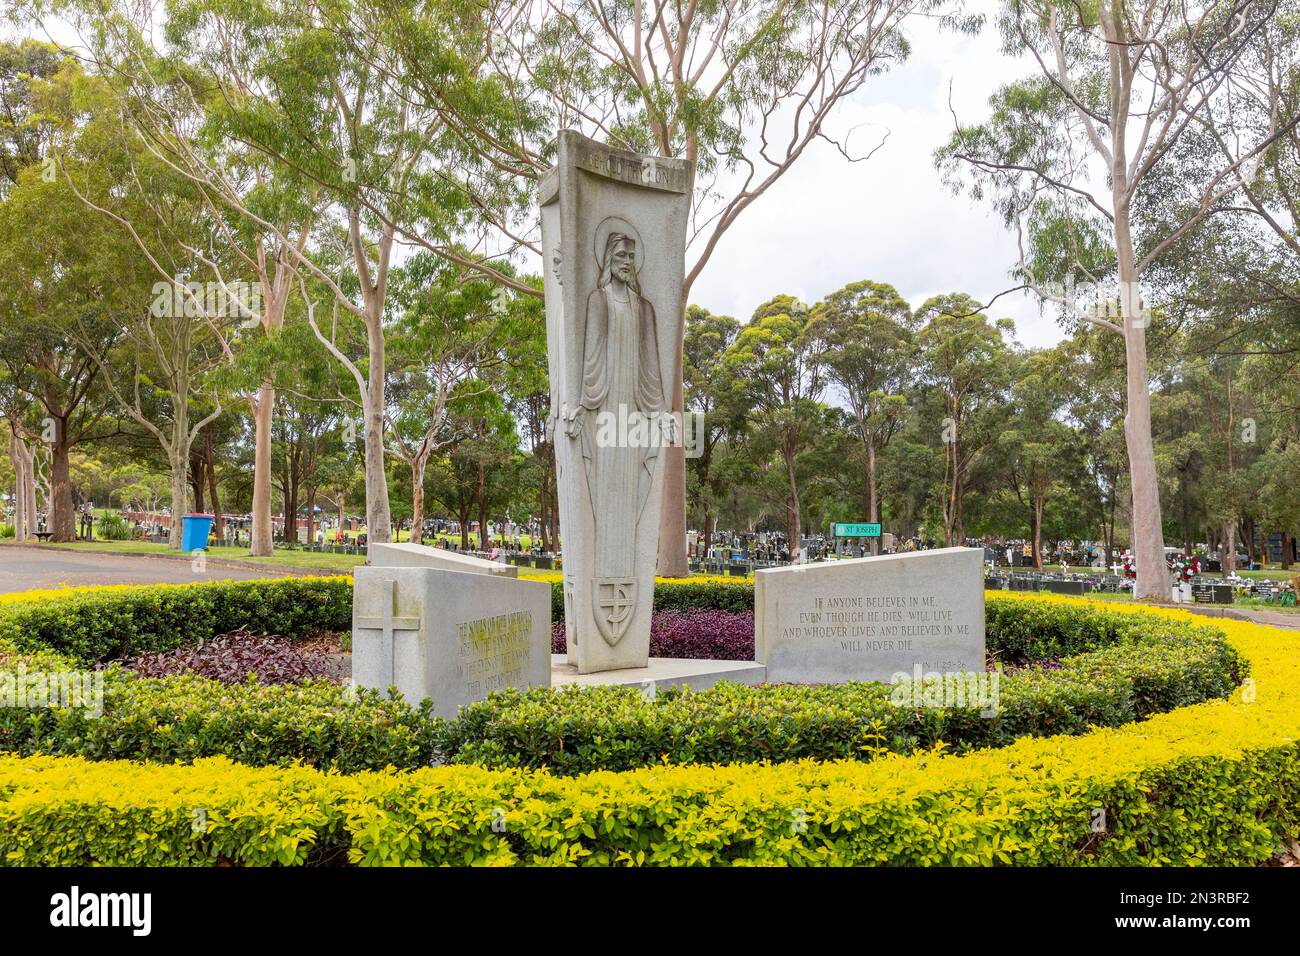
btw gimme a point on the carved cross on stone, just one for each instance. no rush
(389, 624)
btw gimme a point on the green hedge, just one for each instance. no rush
(1140, 667)
(1186, 805)
(1215, 783)
(318, 723)
(100, 624)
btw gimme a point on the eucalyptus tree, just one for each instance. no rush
(705, 347)
(776, 373)
(64, 281)
(1071, 154)
(965, 361)
(867, 332)
(1040, 450)
(314, 161)
(449, 340)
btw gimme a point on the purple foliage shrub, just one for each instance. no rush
(231, 658)
(697, 633)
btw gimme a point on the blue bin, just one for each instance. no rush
(194, 532)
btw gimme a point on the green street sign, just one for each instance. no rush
(860, 529)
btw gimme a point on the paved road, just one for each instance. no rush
(1258, 615)
(22, 569)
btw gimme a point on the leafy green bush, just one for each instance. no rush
(318, 723)
(100, 624)
(113, 528)
(6, 531)
(1118, 668)
(1217, 783)
(1142, 667)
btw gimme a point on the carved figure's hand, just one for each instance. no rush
(573, 427)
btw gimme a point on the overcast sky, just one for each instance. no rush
(829, 222)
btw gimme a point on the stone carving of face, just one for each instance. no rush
(624, 264)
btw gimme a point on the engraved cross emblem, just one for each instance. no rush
(388, 624)
(615, 601)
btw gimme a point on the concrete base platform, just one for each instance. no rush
(663, 671)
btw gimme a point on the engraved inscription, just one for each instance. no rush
(494, 651)
(651, 171)
(874, 623)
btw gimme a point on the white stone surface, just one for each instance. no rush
(662, 672)
(448, 635)
(870, 618)
(613, 240)
(407, 555)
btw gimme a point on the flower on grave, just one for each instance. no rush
(1184, 568)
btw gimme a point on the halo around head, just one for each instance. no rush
(617, 224)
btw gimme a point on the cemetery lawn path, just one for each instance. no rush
(25, 568)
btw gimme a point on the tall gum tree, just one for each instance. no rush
(1067, 153)
(868, 333)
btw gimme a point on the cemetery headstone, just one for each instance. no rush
(408, 555)
(453, 636)
(871, 618)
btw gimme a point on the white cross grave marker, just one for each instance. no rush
(389, 624)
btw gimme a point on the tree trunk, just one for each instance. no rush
(1229, 550)
(18, 455)
(1149, 543)
(198, 480)
(1038, 532)
(483, 543)
(218, 519)
(33, 515)
(180, 494)
(417, 499)
(1287, 548)
(291, 505)
(464, 524)
(793, 508)
(873, 491)
(311, 513)
(950, 512)
(62, 521)
(261, 540)
(379, 527)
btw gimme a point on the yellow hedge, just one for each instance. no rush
(1215, 783)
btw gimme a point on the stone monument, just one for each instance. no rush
(450, 635)
(613, 238)
(407, 555)
(871, 618)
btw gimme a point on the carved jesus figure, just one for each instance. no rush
(620, 373)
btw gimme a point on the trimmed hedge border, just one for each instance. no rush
(1216, 783)
(102, 623)
(1118, 668)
